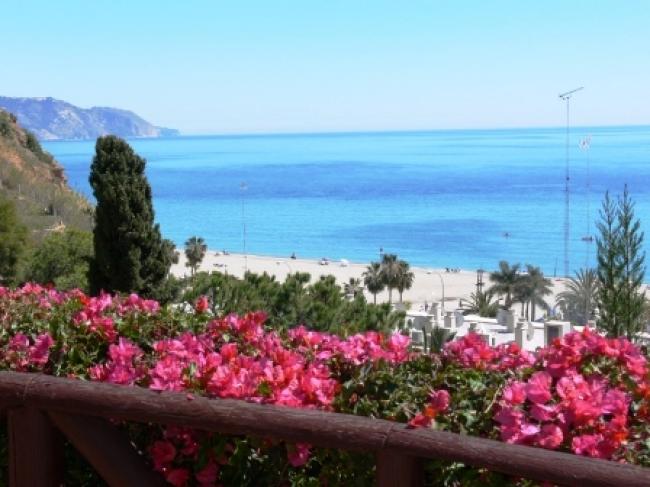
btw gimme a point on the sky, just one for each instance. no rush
(318, 66)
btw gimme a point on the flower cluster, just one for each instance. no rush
(438, 403)
(23, 354)
(473, 352)
(575, 400)
(584, 393)
(356, 349)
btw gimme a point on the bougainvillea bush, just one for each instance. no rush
(584, 394)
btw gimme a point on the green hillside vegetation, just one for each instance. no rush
(35, 183)
(44, 225)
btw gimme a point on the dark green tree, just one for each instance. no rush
(621, 268)
(13, 242)
(319, 306)
(610, 269)
(130, 254)
(633, 263)
(62, 259)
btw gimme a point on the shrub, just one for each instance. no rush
(585, 394)
(62, 259)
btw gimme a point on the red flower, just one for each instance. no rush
(162, 453)
(178, 477)
(201, 305)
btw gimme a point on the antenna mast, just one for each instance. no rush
(585, 145)
(567, 221)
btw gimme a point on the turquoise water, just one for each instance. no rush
(443, 198)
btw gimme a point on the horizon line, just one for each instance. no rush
(361, 132)
(399, 131)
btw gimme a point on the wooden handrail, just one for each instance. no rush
(318, 428)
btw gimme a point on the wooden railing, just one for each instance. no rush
(40, 407)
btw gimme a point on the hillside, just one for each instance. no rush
(51, 119)
(36, 183)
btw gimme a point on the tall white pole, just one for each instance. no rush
(567, 213)
(243, 188)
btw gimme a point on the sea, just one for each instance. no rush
(450, 198)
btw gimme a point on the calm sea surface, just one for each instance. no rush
(447, 198)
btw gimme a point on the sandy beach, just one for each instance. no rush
(427, 286)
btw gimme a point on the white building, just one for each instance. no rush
(506, 328)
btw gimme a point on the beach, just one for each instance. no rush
(427, 286)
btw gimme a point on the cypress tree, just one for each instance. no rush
(130, 254)
(609, 268)
(632, 262)
(621, 268)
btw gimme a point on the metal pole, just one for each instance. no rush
(243, 186)
(567, 213)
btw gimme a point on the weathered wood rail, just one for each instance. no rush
(40, 408)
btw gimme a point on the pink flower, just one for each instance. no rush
(298, 454)
(550, 437)
(439, 400)
(538, 388)
(515, 393)
(615, 402)
(40, 351)
(543, 412)
(586, 445)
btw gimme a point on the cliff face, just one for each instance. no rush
(51, 119)
(36, 183)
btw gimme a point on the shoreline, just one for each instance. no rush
(427, 285)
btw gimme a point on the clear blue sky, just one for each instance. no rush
(273, 65)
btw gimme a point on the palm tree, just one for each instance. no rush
(535, 288)
(438, 338)
(578, 301)
(481, 303)
(506, 281)
(353, 287)
(373, 279)
(195, 249)
(405, 278)
(390, 272)
(522, 294)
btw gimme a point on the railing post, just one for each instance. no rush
(108, 450)
(35, 450)
(396, 470)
